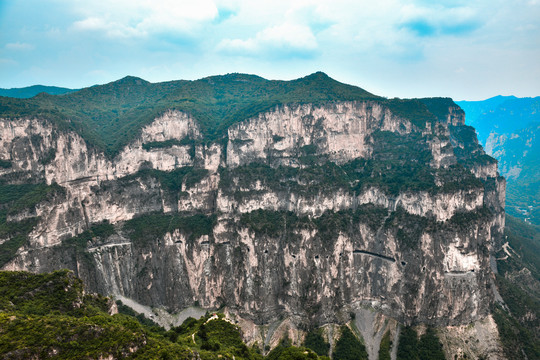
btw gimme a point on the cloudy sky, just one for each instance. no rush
(463, 49)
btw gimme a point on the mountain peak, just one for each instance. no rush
(316, 76)
(319, 75)
(131, 80)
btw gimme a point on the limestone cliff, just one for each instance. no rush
(307, 211)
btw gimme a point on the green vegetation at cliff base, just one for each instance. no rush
(428, 347)
(49, 316)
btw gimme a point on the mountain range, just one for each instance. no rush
(509, 129)
(308, 212)
(31, 91)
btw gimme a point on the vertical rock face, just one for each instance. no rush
(305, 211)
(339, 132)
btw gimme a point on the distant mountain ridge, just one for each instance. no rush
(502, 114)
(509, 129)
(31, 91)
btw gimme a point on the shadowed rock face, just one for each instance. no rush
(308, 211)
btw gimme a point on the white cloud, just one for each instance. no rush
(416, 47)
(19, 46)
(285, 37)
(111, 28)
(138, 18)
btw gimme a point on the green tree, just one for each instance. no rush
(429, 347)
(408, 344)
(348, 347)
(384, 349)
(315, 341)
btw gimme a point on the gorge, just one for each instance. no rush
(310, 208)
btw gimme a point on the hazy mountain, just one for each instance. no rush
(509, 129)
(31, 91)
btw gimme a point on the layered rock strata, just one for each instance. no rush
(309, 212)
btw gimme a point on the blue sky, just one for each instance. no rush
(463, 49)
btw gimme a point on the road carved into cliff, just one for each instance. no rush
(384, 257)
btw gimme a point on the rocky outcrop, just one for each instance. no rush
(338, 131)
(196, 223)
(64, 157)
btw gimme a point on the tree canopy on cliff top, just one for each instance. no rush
(110, 116)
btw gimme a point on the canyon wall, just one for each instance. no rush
(303, 212)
